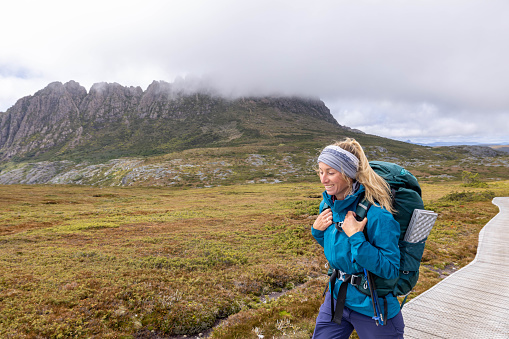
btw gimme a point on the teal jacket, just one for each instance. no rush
(351, 254)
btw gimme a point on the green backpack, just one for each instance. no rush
(406, 194)
(406, 197)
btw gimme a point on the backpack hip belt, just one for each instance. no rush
(345, 279)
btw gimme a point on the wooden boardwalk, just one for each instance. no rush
(474, 301)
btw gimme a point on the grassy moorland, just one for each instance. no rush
(139, 262)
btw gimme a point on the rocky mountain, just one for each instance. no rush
(65, 121)
(171, 135)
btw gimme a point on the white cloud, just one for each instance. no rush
(420, 122)
(449, 55)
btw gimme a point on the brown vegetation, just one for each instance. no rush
(149, 262)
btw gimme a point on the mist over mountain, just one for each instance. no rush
(110, 120)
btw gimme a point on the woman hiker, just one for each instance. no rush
(345, 172)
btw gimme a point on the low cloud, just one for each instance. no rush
(443, 60)
(420, 122)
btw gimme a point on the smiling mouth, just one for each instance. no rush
(327, 187)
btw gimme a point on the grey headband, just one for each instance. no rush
(340, 160)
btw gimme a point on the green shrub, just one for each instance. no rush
(468, 196)
(472, 180)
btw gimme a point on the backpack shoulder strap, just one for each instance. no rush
(362, 211)
(362, 208)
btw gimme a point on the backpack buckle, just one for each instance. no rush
(341, 275)
(355, 280)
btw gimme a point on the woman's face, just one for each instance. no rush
(333, 180)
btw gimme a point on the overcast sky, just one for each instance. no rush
(418, 70)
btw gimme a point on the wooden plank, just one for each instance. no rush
(469, 301)
(474, 301)
(443, 328)
(447, 322)
(500, 295)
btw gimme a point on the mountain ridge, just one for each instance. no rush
(180, 135)
(64, 117)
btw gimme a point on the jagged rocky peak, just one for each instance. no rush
(157, 91)
(104, 89)
(58, 89)
(53, 94)
(177, 100)
(179, 88)
(54, 88)
(54, 102)
(76, 90)
(110, 101)
(63, 117)
(41, 121)
(157, 88)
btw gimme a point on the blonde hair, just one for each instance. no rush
(378, 191)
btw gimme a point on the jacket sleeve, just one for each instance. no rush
(381, 254)
(317, 234)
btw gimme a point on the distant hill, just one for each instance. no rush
(503, 148)
(446, 143)
(458, 143)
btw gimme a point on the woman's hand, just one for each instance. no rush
(351, 225)
(324, 220)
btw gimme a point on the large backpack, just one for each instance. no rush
(406, 194)
(406, 197)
